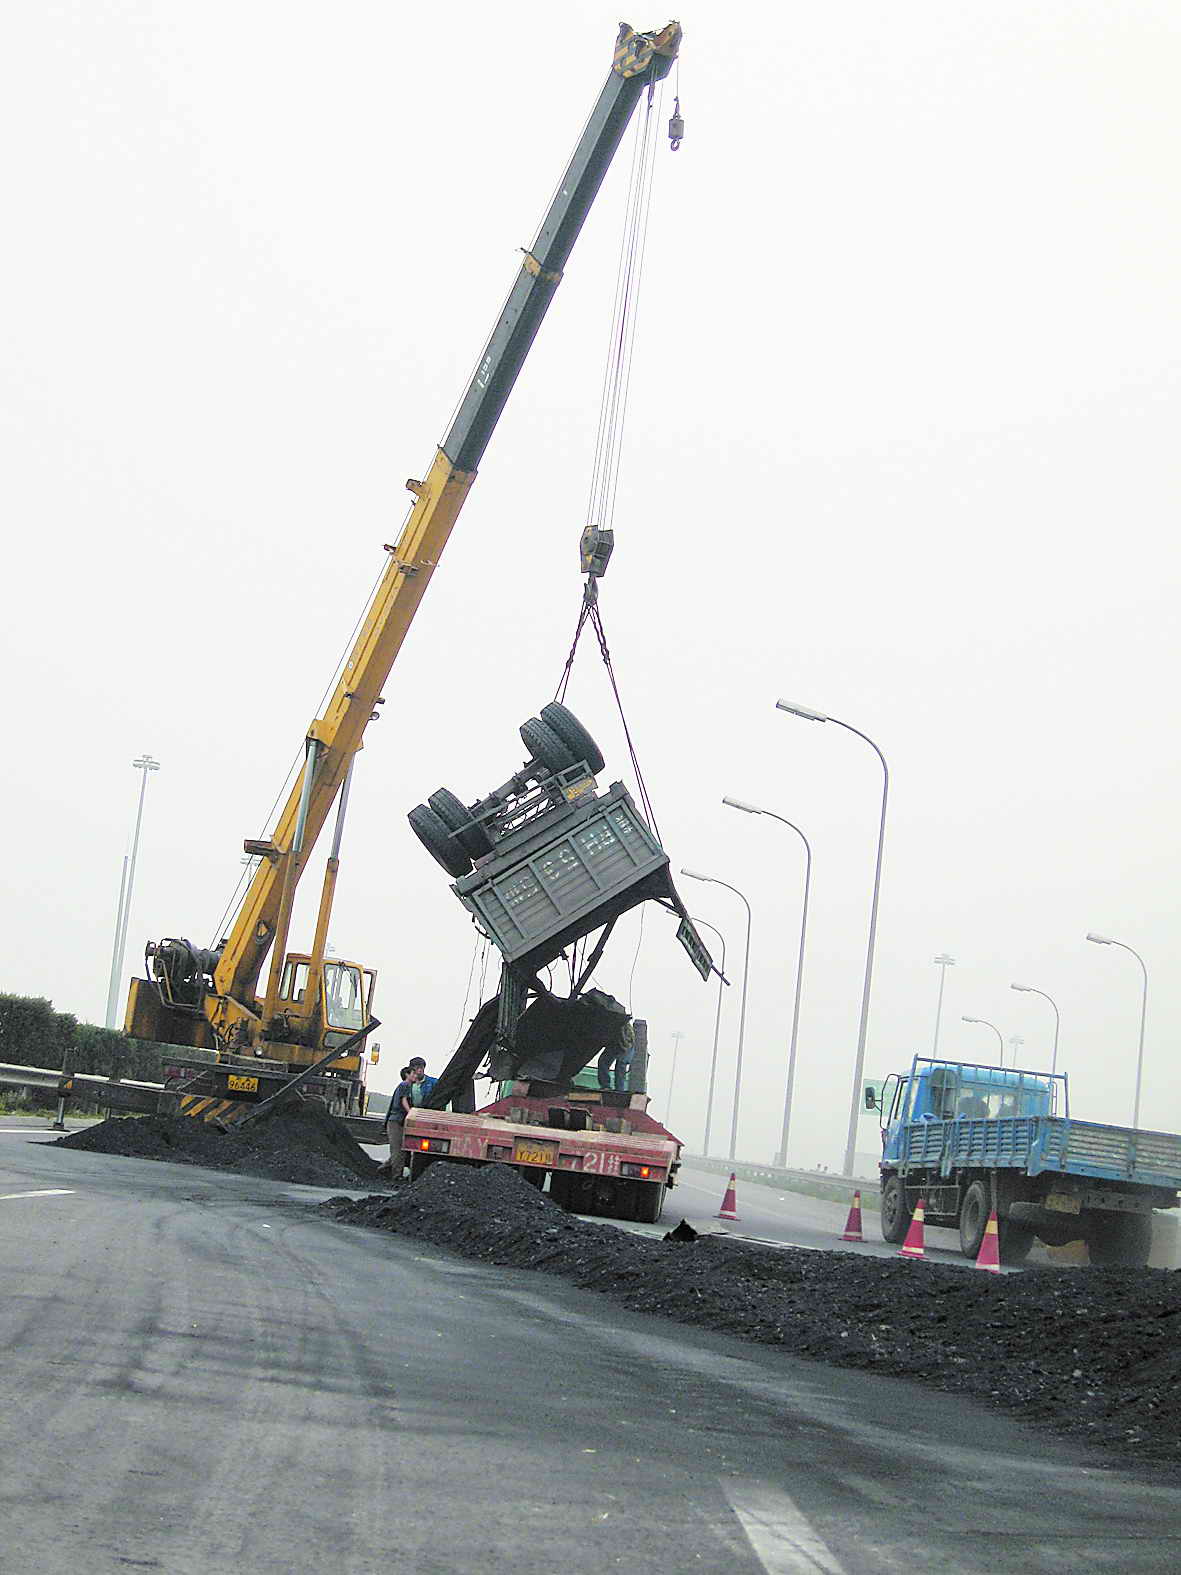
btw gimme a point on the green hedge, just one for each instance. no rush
(33, 1034)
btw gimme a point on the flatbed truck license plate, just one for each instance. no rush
(242, 1085)
(1063, 1203)
(535, 1153)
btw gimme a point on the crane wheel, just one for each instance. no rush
(572, 733)
(545, 747)
(435, 835)
(472, 838)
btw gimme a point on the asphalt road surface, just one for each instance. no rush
(202, 1376)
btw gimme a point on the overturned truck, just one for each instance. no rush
(543, 864)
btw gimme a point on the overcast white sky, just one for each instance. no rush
(902, 446)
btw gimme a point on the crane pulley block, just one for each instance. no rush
(595, 548)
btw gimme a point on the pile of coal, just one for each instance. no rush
(1089, 1352)
(298, 1143)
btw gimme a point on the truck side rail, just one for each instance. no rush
(1035, 1144)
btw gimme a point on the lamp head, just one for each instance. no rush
(805, 711)
(1100, 940)
(696, 875)
(738, 803)
(1026, 987)
(944, 960)
(971, 1019)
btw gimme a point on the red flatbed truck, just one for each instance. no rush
(620, 1163)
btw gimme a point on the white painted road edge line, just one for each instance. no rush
(45, 1192)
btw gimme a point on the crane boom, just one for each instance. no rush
(333, 739)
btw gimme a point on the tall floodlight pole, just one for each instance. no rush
(855, 1103)
(712, 880)
(676, 1037)
(1106, 940)
(943, 962)
(713, 1060)
(1028, 989)
(1015, 1043)
(984, 1023)
(789, 1091)
(144, 764)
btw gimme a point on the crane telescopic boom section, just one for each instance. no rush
(333, 739)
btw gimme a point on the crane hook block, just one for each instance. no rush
(676, 126)
(595, 547)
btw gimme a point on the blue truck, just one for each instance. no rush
(967, 1139)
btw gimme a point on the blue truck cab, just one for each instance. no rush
(969, 1138)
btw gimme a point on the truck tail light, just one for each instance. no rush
(638, 1172)
(433, 1145)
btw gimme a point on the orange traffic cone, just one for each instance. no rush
(912, 1247)
(853, 1223)
(989, 1257)
(729, 1208)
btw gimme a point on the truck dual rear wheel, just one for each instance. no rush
(454, 814)
(895, 1214)
(435, 835)
(572, 733)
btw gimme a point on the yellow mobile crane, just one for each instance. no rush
(314, 1014)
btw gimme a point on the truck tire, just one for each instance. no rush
(545, 747)
(572, 733)
(472, 838)
(649, 1201)
(1119, 1241)
(894, 1211)
(1016, 1240)
(436, 838)
(974, 1211)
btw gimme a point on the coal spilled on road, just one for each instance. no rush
(300, 1143)
(1092, 1353)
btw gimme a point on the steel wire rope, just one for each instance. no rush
(238, 895)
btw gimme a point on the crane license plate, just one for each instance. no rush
(242, 1085)
(535, 1153)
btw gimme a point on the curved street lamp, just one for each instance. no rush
(858, 1071)
(712, 880)
(752, 809)
(1028, 989)
(983, 1021)
(713, 1060)
(1106, 940)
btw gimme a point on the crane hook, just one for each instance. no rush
(676, 126)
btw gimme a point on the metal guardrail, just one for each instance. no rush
(839, 1187)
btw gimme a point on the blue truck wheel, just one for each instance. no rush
(895, 1213)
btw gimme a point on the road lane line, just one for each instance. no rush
(782, 1538)
(45, 1192)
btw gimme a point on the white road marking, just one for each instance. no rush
(782, 1539)
(45, 1192)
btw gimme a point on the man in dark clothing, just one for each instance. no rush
(424, 1085)
(401, 1104)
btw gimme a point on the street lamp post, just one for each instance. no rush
(855, 1104)
(713, 1060)
(943, 962)
(1028, 989)
(1106, 940)
(676, 1036)
(712, 880)
(752, 809)
(144, 764)
(1015, 1043)
(983, 1021)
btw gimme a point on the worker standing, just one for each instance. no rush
(401, 1104)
